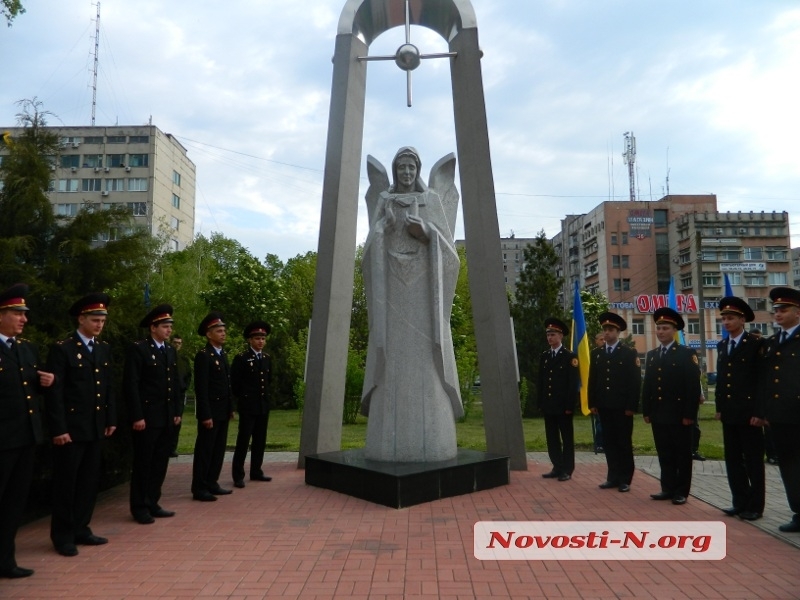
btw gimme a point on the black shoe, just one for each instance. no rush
(261, 477)
(564, 477)
(698, 456)
(161, 513)
(607, 485)
(750, 516)
(220, 491)
(67, 550)
(678, 500)
(624, 487)
(551, 475)
(239, 483)
(91, 540)
(144, 519)
(792, 526)
(16, 573)
(661, 496)
(204, 497)
(732, 511)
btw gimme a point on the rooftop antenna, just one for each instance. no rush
(667, 170)
(96, 61)
(630, 159)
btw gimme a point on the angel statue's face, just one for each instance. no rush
(406, 174)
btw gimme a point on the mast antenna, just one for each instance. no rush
(96, 61)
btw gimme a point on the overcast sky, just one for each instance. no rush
(709, 88)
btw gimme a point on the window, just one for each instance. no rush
(69, 161)
(685, 256)
(624, 238)
(660, 218)
(718, 329)
(762, 327)
(613, 239)
(115, 160)
(138, 209)
(637, 327)
(93, 161)
(735, 278)
(69, 141)
(174, 223)
(711, 279)
(686, 281)
(693, 326)
(91, 185)
(139, 139)
(753, 254)
(591, 268)
(93, 139)
(623, 285)
(615, 261)
(757, 303)
(176, 178)
(754, 280)
(67, 210)
(174, 245)
(625, 261)
(708, 256)
(137, 184)
(116, 139)
(777, 254)
(68, 185)
(777, 278)
(115, 185)
(728, 254)
(138, 160)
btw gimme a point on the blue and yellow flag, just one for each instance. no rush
(580, 346)
(672, 303)
(728, 292)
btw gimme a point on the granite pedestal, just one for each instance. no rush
(399, 485)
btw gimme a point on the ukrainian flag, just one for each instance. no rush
(673, 304)
(580, 346)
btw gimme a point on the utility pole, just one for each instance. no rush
(96, 60)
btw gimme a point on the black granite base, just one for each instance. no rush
(399, 485)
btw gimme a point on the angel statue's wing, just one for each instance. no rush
(442, 181)
(378, 182)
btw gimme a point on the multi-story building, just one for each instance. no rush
(796, 267)
(631, 251)
(140, 167)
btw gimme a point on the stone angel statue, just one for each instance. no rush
(411, 392)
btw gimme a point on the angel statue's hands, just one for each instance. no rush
(417, 227)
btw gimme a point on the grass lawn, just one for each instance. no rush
(284, 433)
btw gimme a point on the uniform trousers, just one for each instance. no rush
(674, 448)
(76, 471)
(617, 444)
(787, 443)
(744, 463)
(209, 454)
(254, 426)
(151, 449)
(559, 432)
(16, 471)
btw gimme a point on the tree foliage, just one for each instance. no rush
(536, 299)
(9, 9)
(594, 304)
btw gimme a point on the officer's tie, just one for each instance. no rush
(732, 346)
(784, 336)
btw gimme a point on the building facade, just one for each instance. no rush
(630, 251)
(140, 167)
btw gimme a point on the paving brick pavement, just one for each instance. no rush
(284, 539)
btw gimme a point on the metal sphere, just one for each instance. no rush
(407, 57)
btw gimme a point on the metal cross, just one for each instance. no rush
(407, 56)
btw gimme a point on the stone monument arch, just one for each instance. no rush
(361, 22)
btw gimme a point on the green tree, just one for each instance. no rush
(463, 331)
(536, 299)
(594, 304)
(9, 9)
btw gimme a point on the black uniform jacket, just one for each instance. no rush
(780, 379)
(212, 385)
(250, 378)
(615, 379)
(151, 384)
(20, 414)
(559, 382)
(80, 401)
(671, 389)
(737, 395)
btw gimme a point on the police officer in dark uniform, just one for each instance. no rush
(184, 379)
(212, 386)
(250, 379)
(670, 396)
(20, 421)
(81, 413)
(559, 395)
(780, 387)
(738, 362)
(152, 392)
(614, 386)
